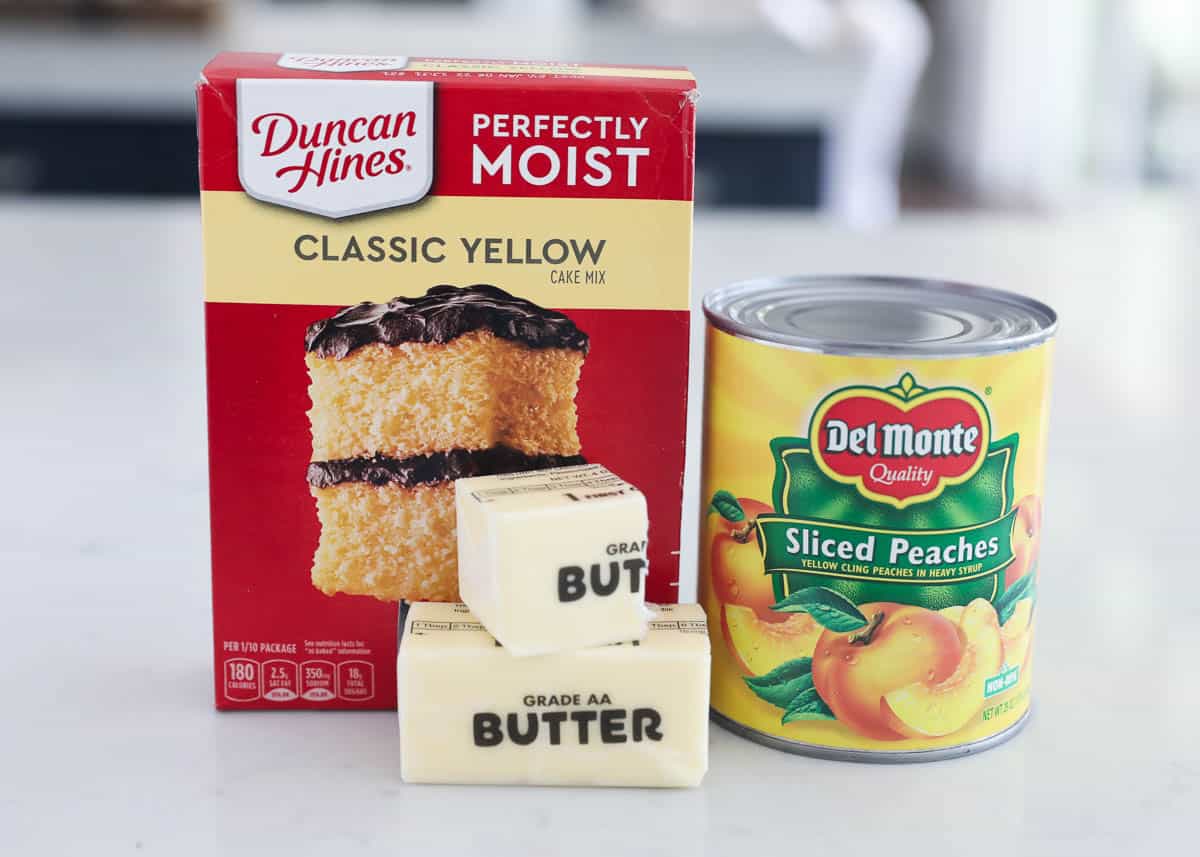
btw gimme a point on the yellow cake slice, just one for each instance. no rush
(475, 392)
(410, 395)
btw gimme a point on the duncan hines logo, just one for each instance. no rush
(341, 63)
(900, 444)
(335, 148)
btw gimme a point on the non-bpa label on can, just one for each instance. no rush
(869, 555)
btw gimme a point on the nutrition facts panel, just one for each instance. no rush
(286, 680)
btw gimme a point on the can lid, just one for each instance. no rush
(880, 316)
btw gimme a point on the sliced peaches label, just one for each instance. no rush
(901, 485)
(879, 591)
(811, 546)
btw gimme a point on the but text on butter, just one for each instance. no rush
(553, 560)
(629, 714)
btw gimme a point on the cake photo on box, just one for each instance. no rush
(408, 396)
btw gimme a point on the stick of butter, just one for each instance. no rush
(627, 714)
(552, 560)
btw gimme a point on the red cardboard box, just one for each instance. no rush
(548, 207)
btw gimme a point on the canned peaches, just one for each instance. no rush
(871, 481)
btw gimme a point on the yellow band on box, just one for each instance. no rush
(562, 253)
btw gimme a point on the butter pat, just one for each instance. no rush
(552, 560)
(629, 714)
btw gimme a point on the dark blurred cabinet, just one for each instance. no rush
(98, 155)
(156, 155)
(759, 168)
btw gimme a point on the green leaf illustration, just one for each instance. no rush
(782, 684)
(807, 705)
(1023, 587)
(727, 506)
(907, 382)
(832, 609)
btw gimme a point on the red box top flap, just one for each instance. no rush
(231, 66)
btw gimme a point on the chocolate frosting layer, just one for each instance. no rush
(433, 468)
(442, 314)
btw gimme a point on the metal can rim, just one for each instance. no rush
(983, 296)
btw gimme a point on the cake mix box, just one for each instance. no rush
(418, 270)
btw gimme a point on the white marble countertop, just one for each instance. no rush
(108, 740)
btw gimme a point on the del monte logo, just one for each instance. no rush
(902, 444)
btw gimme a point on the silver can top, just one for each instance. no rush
(879, 316)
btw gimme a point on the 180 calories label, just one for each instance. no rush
(870, 545)
(314, 671)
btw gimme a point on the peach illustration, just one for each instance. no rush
(954, 614)
(1017, 633)
(903, 645)
(939, 705)
(1026, 538)
(735, 564)
(759, 646)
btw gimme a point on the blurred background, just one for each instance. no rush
(856, 108)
